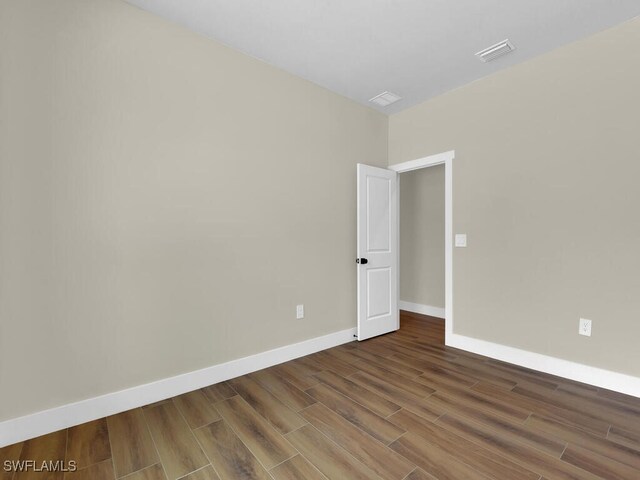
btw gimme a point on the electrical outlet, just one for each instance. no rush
(584, 327)
(299, 311)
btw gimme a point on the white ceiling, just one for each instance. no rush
(415, 48)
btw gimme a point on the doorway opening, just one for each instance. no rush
(426, 238)
(422, 248)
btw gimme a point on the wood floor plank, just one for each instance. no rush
(446, 367)
(479, 401)
(333, 363)
(403, 398)
(155, 404)
(288, 394)
(47, 448)
(597, 464)
(479, 372)
(344, 353)
(434, 460)
(415, 388)
(590, 391)
(410, 358)
(373, 453)
(384, 348)
(522, 378)
(422, 348)
(568, 416)
(592, 416)
(374, 348)
(419, 474)
(619, 414)
(619, 397)
(196, 409)
(296, 375)
(624, 437)
(207, 473)
(491, 373)
(334, 462)
(586, 440)
(97, 471)
(426, 331)
(229, 456)
(296, 468)
(523, 372)
(502, 425)
(599, 410)
(446, 377)
(10, 453)
(280, 416)
(219, 392)
(131, 443)
(390, 363)
(89, 443)
(439, 351)
(307, 364)
(355, 413)
(154, 472)
(372, 401)
(485, 461)
(530, 458)
(179, 452)
(255, 432)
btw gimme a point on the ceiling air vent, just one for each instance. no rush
(385, 98)
(495, 51)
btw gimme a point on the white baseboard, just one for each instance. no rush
(598, 377)
(47, 421)
(422, 309)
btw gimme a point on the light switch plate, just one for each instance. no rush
(461, 240)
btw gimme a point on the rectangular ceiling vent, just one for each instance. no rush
(385, 98)
(495, 51)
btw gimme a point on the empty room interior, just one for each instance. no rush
(325, 240)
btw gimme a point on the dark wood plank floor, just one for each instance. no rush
(400, 406)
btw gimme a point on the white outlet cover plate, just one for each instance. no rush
(299, 311)
(461, 240)
(584, 327)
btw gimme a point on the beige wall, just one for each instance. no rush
(545, 184)
(165, 202)
(422, 236)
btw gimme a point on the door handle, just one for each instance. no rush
(362, 261)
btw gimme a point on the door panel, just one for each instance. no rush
(378, 244)
(378, 217)
(378, 280)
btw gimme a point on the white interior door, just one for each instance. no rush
(377, 251)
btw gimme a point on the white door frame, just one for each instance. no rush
(446, 159)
